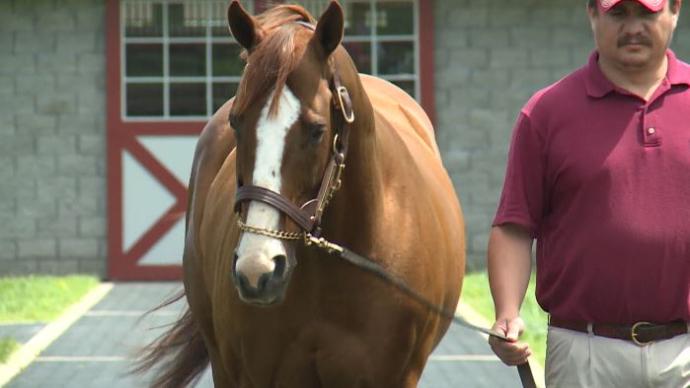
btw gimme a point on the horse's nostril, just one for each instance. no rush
(242, 281)
(263, 282)
(234, 263)
(280, 262)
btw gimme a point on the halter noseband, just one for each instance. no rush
(308, 216)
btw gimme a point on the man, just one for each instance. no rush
(599, 174)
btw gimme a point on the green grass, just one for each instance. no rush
(7, 346)
(40, 298)
(476, 293)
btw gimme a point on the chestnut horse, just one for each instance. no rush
(266, 308)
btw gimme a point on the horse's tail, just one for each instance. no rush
(180, 351)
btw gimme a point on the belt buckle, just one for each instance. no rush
(633, 334)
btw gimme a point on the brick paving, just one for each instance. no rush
(96, 351)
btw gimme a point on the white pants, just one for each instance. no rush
(575, 359)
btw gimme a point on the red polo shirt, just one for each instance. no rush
(601, 179)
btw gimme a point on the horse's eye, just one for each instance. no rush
(316, 132)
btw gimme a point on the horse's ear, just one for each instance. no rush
(329, 30)
(242, 26)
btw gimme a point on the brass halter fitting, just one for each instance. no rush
(342, 93)
(279, 234)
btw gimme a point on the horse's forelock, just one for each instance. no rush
(275, 57)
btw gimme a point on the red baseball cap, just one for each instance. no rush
(652, 5)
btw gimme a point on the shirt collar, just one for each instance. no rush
(598, 85)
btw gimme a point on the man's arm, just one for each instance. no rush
(509, 264)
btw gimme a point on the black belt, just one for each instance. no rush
(640, 333)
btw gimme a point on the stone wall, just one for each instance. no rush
(491, 55)
(52, 136)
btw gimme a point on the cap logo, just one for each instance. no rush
(606, 4)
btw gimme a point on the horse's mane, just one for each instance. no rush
(275, 57)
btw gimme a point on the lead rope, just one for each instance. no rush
(524, 370)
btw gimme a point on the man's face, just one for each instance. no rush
(630, 36)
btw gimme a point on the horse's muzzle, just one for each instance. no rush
(259, 285)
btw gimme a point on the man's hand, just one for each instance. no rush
(510, 352)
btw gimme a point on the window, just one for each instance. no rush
(180, 62)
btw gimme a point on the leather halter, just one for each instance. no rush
(308, 216)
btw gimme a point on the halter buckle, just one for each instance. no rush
(348, 114)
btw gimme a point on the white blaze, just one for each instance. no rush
(255, 252)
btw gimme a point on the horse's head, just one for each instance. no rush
(284, 119)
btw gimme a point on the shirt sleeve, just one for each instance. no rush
(522, 199)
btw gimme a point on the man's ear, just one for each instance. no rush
(675, 10)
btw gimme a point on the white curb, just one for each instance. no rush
(473, 317)
(30, 350)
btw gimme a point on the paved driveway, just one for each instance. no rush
(96, 350)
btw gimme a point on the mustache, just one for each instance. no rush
(634, 39)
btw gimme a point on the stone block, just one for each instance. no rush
(18, 267)
(6, 43)
(564, 36)
(489, 37)
(528, 81)
(89, 63)
(18, 63)
(529, 36)
(36, 166)
(37, 248)
(550, 57)
(508, 58)
(7, 168)
(480, 241)
(35, 84)
(22, 18)
(456, 160)
(93, 267)
(17, 144)
(77, 165)
(64, 188)
(551, 15)
(92, 226)
(76, 43)
(17, 186)
(78, 248)
(57, 144)
(73, 123)
(470, 16)
(458, 40)
(56, 103)
(81, 206)
(18, 104)
(452, 77)
(60, 62)
(91, 102)
(58, 20)
(34, 208)
(471, 58)
(90, 144)
(508, 16)
(35, 123)
(91, 17)
(34, 42)
(57, 226)
(58, 267)
(92, 187)
(8, 249)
